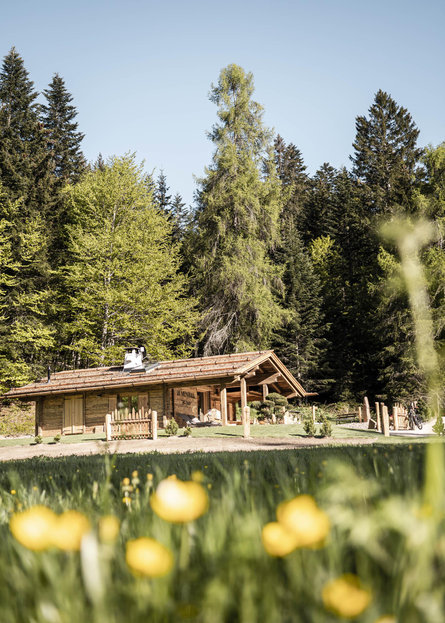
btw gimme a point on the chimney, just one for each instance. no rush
(133, 359)
(49, 374)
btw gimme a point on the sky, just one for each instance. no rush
(140, 71)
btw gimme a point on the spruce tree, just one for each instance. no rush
(179, 218)
(64, 139)
(386, 155)
(236, 224)
(163, 199)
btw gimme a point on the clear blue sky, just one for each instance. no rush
(140, 70)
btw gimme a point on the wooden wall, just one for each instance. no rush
(95, 407)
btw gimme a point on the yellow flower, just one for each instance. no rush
(34, 527)
(126, 482)
(108, 528)
(277, 540)
(13, 491)
(179, 501)
(302, 516)
(126, 499)
(386, 618)
(346, 597)
(70, 528)
(149, 477)
(35, 489)
(134, 474)
(148, 557)
(197, 475)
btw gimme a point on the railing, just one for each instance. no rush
(141, 424)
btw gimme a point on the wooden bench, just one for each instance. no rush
(142, 424)
(344, 418)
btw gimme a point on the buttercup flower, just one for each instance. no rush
(148, 557)
(305, 520)
(69, 530)
(126, 482)
(197, 475)
(346, 597)
(178, 501)
(134, 474)
(108, 528)
(277, 540)
(34, 527)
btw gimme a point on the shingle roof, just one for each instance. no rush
(176, 371)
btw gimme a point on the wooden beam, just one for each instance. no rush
(265, 391)
(252, 372)
(223, 398)
(245, 411)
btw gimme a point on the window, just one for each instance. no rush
(125, 404)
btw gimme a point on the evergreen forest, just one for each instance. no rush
(96, 256)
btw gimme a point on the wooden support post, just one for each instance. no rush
(385, 421)
(395, 417)
(246, 422)
(359, 414)
(265, 391)
(313, 413)
(154, 425)
(223, 397)
(377, 416)
(108, 426)
(367, 409)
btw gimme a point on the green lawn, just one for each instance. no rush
(267, 430)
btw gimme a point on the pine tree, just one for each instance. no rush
(299, 342)
(320, 216)
(24, 160)
(179, 217)
(386, 155)
(236, 224)
(163, 199)
(123, 279)
(64, 139)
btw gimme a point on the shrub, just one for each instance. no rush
(309, 427)
(187, 431)
(58, 438)
(326, 428)
(38, 439)
(439, 427)
(172, 428)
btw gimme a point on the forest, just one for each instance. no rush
(96, 256)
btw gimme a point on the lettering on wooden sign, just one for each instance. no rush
(186, 402)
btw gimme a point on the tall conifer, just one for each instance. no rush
(237, 225)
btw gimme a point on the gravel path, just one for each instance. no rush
(173, 446)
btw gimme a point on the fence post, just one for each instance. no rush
(359, 414)
(108, 426)
(154, 425)
(385, 421)
(367, 409)
(313, 413)
(395, 417)
(377, 417)
(246, 423)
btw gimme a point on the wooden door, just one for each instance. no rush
(73, 415)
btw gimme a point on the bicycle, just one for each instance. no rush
(413, 419)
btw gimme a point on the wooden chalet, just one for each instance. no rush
(77, 401)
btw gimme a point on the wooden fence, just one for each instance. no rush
(141, 424)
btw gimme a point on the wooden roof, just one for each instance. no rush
(228, 369)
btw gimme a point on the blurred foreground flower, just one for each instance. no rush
(34, 527)
(346, 597)
(148, 557)
(277, 540)
(302, 517)
(178, 501)
(108, 528)
(69, 529)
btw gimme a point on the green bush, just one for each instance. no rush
(38, 439)
(172, 428)
(439, 427)
(326, 428)
(58, 438)
(309, 427)
(187, 431)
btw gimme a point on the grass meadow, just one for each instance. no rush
(367, 545)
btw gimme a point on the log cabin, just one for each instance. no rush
(77, 401)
